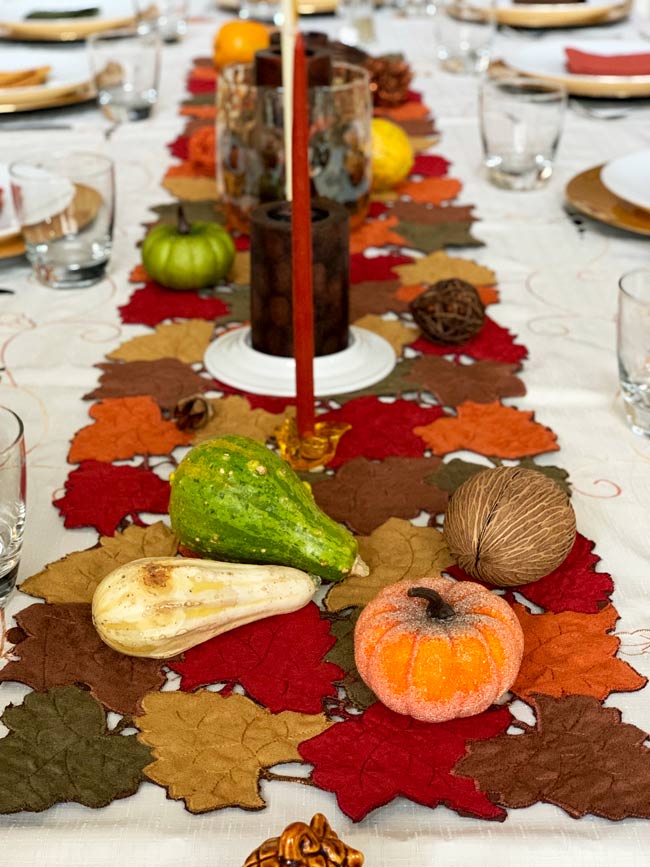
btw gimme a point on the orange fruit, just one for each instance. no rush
(237, 42)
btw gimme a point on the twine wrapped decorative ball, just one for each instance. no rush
(509, 526)
(449, 312)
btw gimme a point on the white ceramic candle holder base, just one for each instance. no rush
(232, 360)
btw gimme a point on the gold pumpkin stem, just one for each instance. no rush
(183, 226)
(437, 609)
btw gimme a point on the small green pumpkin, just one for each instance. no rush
(188, 256)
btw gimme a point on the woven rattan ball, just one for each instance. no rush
(509, 526)
(450, 311)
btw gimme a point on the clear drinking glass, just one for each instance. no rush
(12, 498)
(357, 22)
(464, 31)
(172, 19)
(125, 65)
(65, 206)
(262, 10)
(634, 348)
(521, 123)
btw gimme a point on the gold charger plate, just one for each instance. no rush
(603, 86)
(551, 15)
(305, 7)
(45, 100)
(587, 193)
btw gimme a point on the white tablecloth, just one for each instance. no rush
(558, 283)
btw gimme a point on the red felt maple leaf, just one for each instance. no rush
(379, 429)
(152, 304)
(367, 762)
(277, 660)
(376, 209)
(492, 343)
(101, 495)
(430, 166)
(375, 268)
(179, 147)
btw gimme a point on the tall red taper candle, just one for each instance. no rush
(301, 254)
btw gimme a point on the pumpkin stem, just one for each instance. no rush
(437, 609)
(183, 225)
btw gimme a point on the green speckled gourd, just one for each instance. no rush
(232, 498)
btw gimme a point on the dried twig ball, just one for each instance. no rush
(450, 311)
(509, 526)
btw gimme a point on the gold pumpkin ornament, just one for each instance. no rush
(301, 845)
(509, 526)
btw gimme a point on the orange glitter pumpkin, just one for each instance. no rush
(437, 649)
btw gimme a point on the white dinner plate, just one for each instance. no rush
(112, 13)
(547, 60)
(629, 178)
(561, 14)
(9, 225)
(69, 71)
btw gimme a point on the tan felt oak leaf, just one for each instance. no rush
(197, 189)
(440, 266)
(185, 340)
(75, 577)
(211, 751)
(233, 415)
(396, 550)
(570, 653)
(397, 333)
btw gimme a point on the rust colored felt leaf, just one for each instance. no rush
(430, 190)
(375, 296)
(75, 577)
(61, 647)
(233, 415)
(453, 384)
(211, 751)
(489, 429)
(440, 266)
(571, 653)
(167, 381)
(580, 757)
(375, 233)
(363, 494)
(125, 427)
(342, 654)
(395, 332)
(186, 341)
(393, 551)
(59, 749)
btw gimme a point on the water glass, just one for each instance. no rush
(12, 498)
(172, 19)
(464, 31)
(521, 123)
(125, 65)
(65, 206)
(262, 10)
(357, 22)
(634, 348)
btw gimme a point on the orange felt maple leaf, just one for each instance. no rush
(489, 429)
(407, 111)
(572, 654)
(124, 427)
(201, 150)
(433, 190)
(375, 233)
(138, 274)
(204, 112)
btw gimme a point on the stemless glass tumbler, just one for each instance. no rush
(65, 206)
(521, 123)
(464, 32)
(634, 348)
(12, 498)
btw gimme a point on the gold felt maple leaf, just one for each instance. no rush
(394, 331)
(185, 340)
(210, 751)
(439, 266)
(233, 415)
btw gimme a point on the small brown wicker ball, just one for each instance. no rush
(450, 311)
(509, 526)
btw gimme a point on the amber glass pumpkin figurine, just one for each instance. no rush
(436, 649)
(301, 845)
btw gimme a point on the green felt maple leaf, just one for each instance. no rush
(206, 211)
(452, 474)
(429, 238)
(59, 749)
(395, 383)
(342, 654)
(238, 298)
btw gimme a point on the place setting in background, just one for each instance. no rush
(33, 78)
(555, 13)
(52, 21)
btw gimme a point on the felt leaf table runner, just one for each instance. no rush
(213, 725)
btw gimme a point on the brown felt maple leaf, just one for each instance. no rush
(393, 551)
(75, 577)
(233, 415)
(580, 757)
(375, 296)
(440, 266)
(363, 494)
(489, 429)
(186, 341)
(453, 384)
(570, 653)
(375, 233)
(211, 751)
(395, 332)
(125, 427)
(166, 380)
(430, 190)
(61, 647)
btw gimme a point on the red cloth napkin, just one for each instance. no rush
(583, 63)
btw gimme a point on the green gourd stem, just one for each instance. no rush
(437, 609)
(183, 226)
